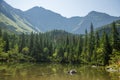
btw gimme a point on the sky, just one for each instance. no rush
(69, 8)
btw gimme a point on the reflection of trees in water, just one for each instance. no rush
(13, 70)
(114, 75)
(97, 73)
(51, 72)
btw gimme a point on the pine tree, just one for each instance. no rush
(31, 43)
(2, 44)
(97, 40)
(115, 57)
(85, 42)
(85, 48)
(79, 49)
(21, 42)
(6, 39)
(107, 49)
(91, 43)
(97, 45)
(115, 37)
(0, 32)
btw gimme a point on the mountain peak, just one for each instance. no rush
(95, 13)
(36, 8)
(44, 19)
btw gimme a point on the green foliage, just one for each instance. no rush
(25, 51)
(6, 39)
(91, 44)
(104, 49)
(60, 46)
(85, 48)
(115, 37)
(115, 57)
(2, 44)
(13, 55)
(100, 56)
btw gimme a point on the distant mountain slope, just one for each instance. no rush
(47, 20)
(43, 20)
(98, 19)
(108, 28)
(9, 19)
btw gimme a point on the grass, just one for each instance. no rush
(18, 26)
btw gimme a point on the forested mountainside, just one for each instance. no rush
(63, 47)
(10, 20)
(108, 28)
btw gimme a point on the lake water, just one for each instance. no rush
(53, 72)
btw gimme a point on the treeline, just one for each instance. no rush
(60, 46)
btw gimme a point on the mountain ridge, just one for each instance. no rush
(39, 19)
(12, 21)
(82, 23)
(98, 20)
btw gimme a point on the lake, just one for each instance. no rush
(47, 71)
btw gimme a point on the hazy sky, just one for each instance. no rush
(70, 8)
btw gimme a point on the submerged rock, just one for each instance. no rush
(72, 71)
(112, 68)
(93, 66)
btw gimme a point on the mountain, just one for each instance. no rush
(108, 28)
(98, 19)
(42, 20)
(46, 20)
(10, 19)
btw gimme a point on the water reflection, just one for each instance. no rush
(52, 72)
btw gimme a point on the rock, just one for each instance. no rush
(118, 76)
(73, 71)
(93, 66)
(113, 68)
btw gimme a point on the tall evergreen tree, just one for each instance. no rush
(107, 49)
(84, 51)
(97, 40)
(91, 43)
(115, 57)
(0, 32)
(21, 42)
(79, 49)
(6, 39)
(85, 42)
(31, 43)
(115, 37)
(97, 45)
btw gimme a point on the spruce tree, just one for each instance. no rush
(91, 43)
(21, 42)
(6, 39)
(115, 57)
(31, 43)
(107, 49)
(115, 37)
(85, 48)
(0, 32)
(97, 45)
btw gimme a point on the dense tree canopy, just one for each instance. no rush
(60, 46)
